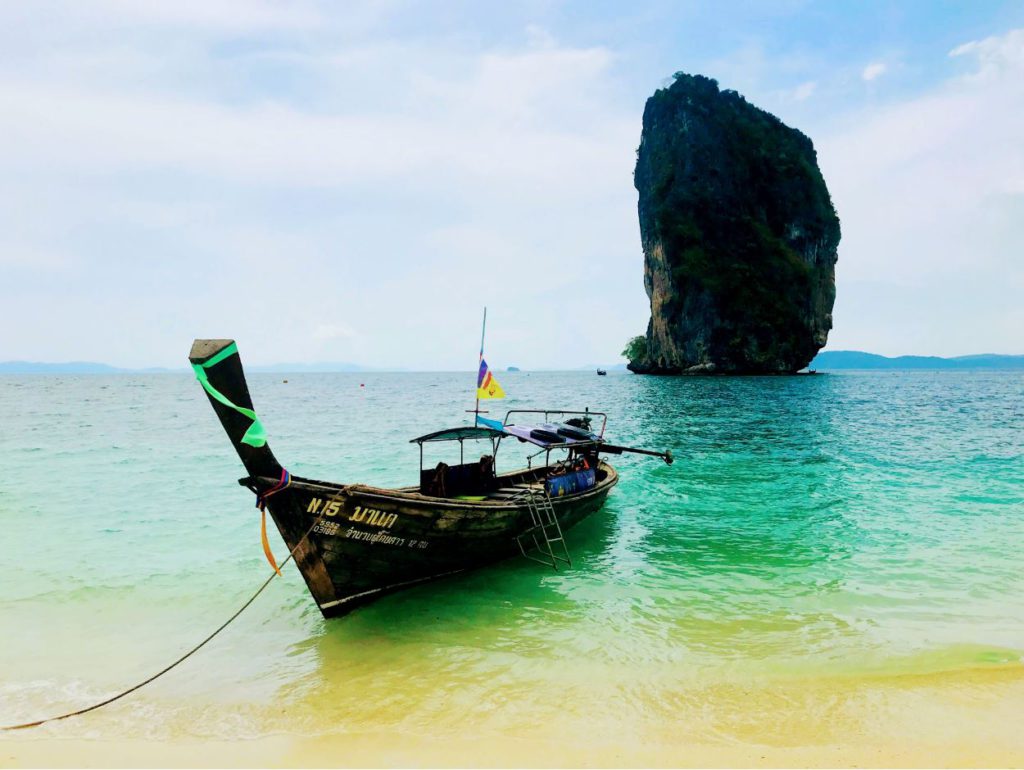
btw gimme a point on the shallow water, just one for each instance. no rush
(841, 526)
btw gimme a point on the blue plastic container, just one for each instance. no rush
(577, 481)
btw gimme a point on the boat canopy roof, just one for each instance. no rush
(459, 434)
(551, 435)
(546, 434)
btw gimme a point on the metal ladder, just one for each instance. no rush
(544, 531)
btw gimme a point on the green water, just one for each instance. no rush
(849, 525)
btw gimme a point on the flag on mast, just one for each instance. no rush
(486, 385)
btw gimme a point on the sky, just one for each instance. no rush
(355, 181)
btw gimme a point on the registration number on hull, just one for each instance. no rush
(360, 514)
(372, 517)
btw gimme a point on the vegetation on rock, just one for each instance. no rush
(636, 349)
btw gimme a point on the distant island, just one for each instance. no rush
(72, 367)
(856, 359)
(828, 360)
(92, 367)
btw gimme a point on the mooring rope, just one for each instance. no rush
(261, 503)
(180, 660)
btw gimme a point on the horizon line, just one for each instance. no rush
(345, 367)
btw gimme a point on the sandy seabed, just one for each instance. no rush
(938, 720)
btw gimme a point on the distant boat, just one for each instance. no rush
(601, 372)
(354, 543)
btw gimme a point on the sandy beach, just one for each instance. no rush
(941, 720)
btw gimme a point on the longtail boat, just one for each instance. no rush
(354, 543)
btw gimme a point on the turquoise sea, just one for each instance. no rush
(840, 526)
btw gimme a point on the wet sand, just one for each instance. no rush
(937, 720)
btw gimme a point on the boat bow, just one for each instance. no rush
(219, 369)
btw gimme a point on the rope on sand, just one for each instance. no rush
(180, 660)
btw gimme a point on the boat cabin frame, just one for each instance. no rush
(476, 477)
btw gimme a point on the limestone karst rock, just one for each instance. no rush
(739, 236)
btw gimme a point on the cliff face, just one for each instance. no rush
(739, 236)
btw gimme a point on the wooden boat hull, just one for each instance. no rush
(365, 542)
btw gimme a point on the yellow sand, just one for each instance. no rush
(942, 720)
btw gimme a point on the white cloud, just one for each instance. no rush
(994, 56)
(167, 168)
(873, 71)
(540, 108)
(366, 189)
(929, 194)
(804, 91)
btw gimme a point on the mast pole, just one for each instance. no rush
(483, 330)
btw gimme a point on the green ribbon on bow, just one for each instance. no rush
(256, 436)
